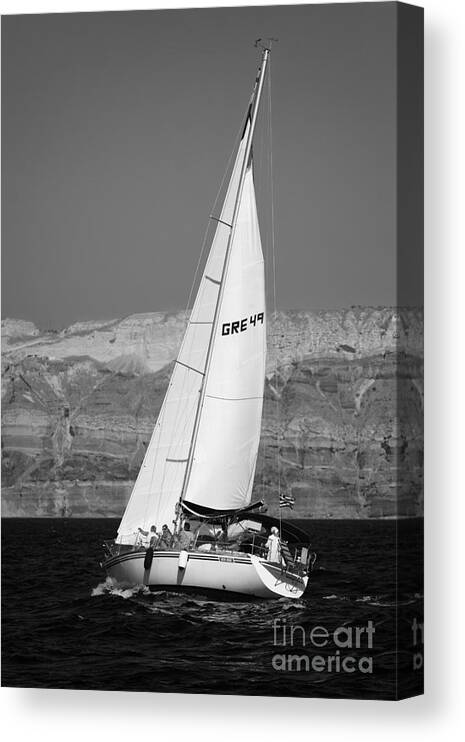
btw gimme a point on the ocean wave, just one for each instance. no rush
(109, 587)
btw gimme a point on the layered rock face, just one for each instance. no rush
(342, 421)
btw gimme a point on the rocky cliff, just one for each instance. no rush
(342, 424)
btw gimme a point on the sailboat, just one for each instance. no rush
(193, 494)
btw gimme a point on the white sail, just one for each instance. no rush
(225, 449)
(229, 432)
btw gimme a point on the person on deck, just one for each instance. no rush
(274, 546)
(165, 538)
(222, 537)
(185, 537)
(151, 535)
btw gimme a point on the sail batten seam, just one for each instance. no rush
(221, 221)
(232, 399)
(191, 368)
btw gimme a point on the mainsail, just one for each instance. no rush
(205, 442)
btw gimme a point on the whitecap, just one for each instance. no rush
(110, 587)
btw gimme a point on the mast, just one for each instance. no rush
(252, 117)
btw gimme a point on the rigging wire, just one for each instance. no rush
(275, 312)
(260, 165)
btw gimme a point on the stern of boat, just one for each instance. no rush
(280, 582)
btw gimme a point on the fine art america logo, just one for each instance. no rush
(326, 651)
(417, 642)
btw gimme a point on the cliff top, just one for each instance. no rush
(149, 341)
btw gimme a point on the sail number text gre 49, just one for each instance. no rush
(230, 328)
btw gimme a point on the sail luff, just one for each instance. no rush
(252, 116)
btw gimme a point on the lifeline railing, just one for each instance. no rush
(296, 557)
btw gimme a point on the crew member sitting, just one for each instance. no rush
(165, 538)
(185, 537)
(222, 537)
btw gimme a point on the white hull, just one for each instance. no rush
(218, 572)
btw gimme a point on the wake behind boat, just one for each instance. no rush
(198, 472)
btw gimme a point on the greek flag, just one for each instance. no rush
(286, 500)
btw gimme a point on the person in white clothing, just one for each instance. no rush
(150, 537)
(274, 546)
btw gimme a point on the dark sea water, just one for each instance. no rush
(65, 626)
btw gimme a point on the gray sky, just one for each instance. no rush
(117, 128)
